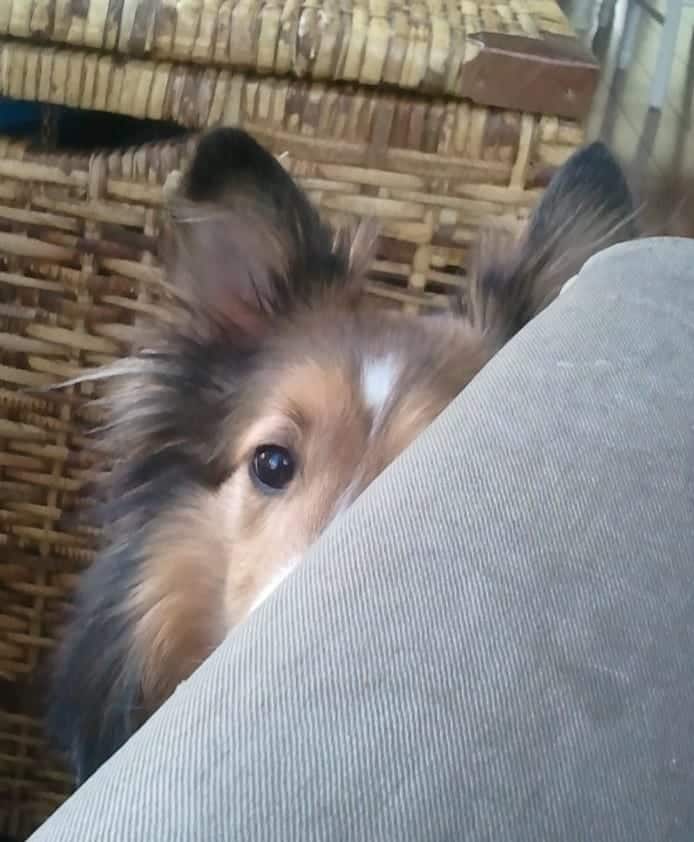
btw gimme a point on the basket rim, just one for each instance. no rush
(458, 51)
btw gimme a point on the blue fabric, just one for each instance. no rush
(17, 114)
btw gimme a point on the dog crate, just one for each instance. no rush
(433, 118)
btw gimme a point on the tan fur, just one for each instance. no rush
(178, 619)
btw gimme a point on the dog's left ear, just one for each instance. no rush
(586, 207)
(245, 243)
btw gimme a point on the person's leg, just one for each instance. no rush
(495, 643)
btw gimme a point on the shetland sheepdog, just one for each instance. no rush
(239, 432)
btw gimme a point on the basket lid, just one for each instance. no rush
(517, 54)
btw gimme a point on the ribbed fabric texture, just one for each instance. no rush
(495, 643)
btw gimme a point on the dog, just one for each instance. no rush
(241, 430)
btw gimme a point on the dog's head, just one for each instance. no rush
(275, 397)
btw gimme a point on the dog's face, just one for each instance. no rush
(333, 401)
(276, 397)
(327, 403)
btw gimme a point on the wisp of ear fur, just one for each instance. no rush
(238, 432)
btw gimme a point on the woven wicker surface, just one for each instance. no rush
(410, 45)
(324, 120)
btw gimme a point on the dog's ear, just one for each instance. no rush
(586, 207)
(245, 244)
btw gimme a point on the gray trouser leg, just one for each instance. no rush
(495, 643)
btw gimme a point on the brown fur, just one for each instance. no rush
(177, 621)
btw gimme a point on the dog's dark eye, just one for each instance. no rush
(272, 467)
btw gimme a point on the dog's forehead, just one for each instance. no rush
(368, 367)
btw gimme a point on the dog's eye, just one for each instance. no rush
(272, 467)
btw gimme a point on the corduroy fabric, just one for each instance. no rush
(516, 666)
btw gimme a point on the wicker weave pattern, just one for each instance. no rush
(324, 120)
(32, 785)
(414, 46)
(74, 234)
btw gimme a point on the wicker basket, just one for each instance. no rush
(397, 112)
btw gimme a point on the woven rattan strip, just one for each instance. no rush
(418, 45)
(326, 120)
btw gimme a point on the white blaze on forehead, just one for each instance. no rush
(378, 378)
(275, 582)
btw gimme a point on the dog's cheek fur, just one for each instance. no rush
(97, 700)
(173, 406)
(171, 414)
(177, 603)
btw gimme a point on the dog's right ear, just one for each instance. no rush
(586, 207)
(245, 244)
